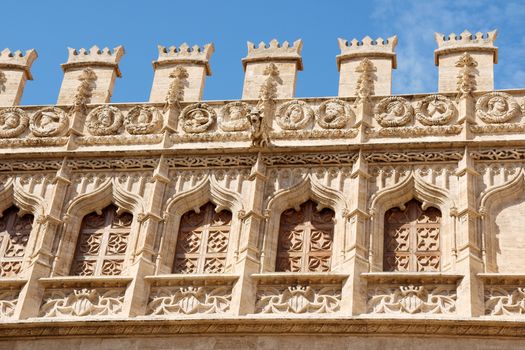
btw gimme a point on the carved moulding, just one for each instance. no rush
(411, 293)
(313, 134)
(435, 110)
(83, 296)
(393, 112)
(49, 122)
(412, 131)
(142, 120)
(294, 115)
(234, 116)
(334, 114)
(408, 157)
(190, 294)
(197, 118)
(498, 128)
(298, 293)
(498, 154)
(497, 107)
(13, 122)
(504, 294)
(119, 140)
(104, 120)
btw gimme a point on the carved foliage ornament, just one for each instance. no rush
(393, 112)
(8, 301)
(294, 115)
(298, 299)
(142, 120)
(497, 107)
(334, 114)
(234, 117)
(13, 122)
(49, 122)
(435, 110)
(197, 118)
(104, 120)
(504, 300)
(412, 299)
(82, 302)
(189, 300)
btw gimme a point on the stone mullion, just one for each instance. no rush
(40, 254)
(355, 253)
(143, 257)
(469, 263)
(248, 261)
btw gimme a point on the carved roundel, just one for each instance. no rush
(49, 122)
(294, 115)
(497, 107)
(197, 118)
(234, 116)
(13, 122)
(142, 120)
(435, 110)
(393, 111)
(104, 120)
(334, 114)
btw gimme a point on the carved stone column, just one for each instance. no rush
(143, 264)
(15, 70)
(468, 262)
(248, 262)
(355, 251)
(40, 252)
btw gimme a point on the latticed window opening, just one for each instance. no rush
(412, 239)
(14, 234)
(202, 241)
(305, 239)
(102, 243)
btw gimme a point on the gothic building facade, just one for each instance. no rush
(360, 221)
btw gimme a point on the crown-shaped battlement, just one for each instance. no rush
(466, 41)
(368, 47)
(18, 60)
(185, 54)
(274, 51)
(94, 57)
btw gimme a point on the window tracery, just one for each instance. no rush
(102, 243)
(14, 235)
(412, 239)
(305, 239)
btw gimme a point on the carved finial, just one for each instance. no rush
(85, 89)
(365, 82)
(268, 89)
(467, 75)
(176, 91)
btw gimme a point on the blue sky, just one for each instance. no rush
(52, 26)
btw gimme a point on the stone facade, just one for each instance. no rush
(269, 222)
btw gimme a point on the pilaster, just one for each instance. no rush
(248, 261)
(469, 263)
(143, 263)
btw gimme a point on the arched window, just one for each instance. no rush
(411, 241)
(202, 242)
(102, 243)
(305, 239)
(14, 234)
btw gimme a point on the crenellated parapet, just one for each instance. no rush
(287, 59)
(380, 56)
(195, 62)
(15, 69)
(480, 47)
(104, 63)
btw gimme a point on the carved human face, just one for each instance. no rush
(333, 110)
(295, 114)
(236, 113)
(105, 118)
(498, 105)
(47, 119)
(396, 108)
(436, 108)
(143, 117)
(11, 121)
